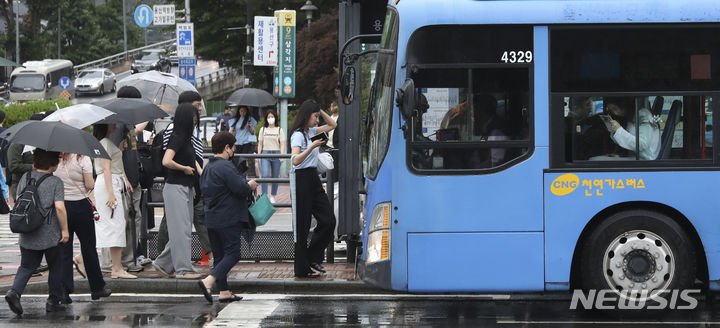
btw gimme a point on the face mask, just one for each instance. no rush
(271, 120)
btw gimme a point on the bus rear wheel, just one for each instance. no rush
(638, 254)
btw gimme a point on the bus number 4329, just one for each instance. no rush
(517, 57)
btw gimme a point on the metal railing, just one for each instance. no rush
(147, 204)
(215, 76)
(118, 58)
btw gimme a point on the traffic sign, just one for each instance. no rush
(185, 47)
(64, 83)
(164, 15)
(186, 69)
(143, 15)
(285, 86)
(65, 95)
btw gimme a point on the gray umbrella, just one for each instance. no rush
(251, 97)
(130, 111)
(55, 136)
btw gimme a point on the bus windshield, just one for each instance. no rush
(27, 83)
(376, 133)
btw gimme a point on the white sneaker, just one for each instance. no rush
(272, 199)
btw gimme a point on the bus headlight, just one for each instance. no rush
(378, 248)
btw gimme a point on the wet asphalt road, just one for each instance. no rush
(260, 310)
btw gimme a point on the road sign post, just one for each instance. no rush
(286, 64)
(164, 15)
(186, 69)
(143, 15)
(185, 40)
(64, 82)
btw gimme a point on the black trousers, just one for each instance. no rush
(30, 259)
(245, 165)
(226, 251)
(311, 200)
(82, 223)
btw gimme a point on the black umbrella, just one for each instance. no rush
(130, 110)
(251, 97)
(55, 136)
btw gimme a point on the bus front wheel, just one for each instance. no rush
(638, 254)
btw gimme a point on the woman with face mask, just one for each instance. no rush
(271, 140)
(225, 192)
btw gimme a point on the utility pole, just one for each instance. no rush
(17, 33)
(59, 29)
(187, 11)
(124, 29)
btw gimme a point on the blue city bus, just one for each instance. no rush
(529, 146)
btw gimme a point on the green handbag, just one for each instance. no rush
(262, 210)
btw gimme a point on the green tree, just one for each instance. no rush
(228, 47)
(316, 56)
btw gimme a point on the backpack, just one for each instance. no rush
(156, 154)
(26, 216)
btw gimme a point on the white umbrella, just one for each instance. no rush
(80, 116)
(160, 88)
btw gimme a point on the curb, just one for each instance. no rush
(178, 286)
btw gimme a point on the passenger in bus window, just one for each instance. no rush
(585, 134)
(621, 109)
(488, 126)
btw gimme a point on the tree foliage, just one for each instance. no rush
(87, 31)
(316, 56)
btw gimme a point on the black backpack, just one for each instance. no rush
(26, 216)
(156, 154)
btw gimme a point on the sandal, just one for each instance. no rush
(233, 298)
(205, 291)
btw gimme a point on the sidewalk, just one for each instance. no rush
(245, 277)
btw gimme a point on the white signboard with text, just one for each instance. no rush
(164, 15)
(266, 39)
(185, 42)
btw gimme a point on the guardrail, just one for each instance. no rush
(268, 245)
(215, 76)
(120, 57)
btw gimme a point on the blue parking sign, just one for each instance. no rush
(185, 38)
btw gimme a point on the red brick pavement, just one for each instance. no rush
(243, 270)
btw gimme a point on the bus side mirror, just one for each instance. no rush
(347, 85)
(406, 98)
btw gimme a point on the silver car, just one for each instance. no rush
(96, 80)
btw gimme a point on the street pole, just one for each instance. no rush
(17, 33)
(284, 119)
(59, 29)
(187, 11)
(124, 30)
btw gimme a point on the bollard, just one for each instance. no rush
(331, 196)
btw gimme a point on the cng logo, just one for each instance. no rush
(564, 184)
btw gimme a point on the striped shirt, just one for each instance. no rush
(197, 144)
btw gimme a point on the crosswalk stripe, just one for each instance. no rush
(249, 312)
